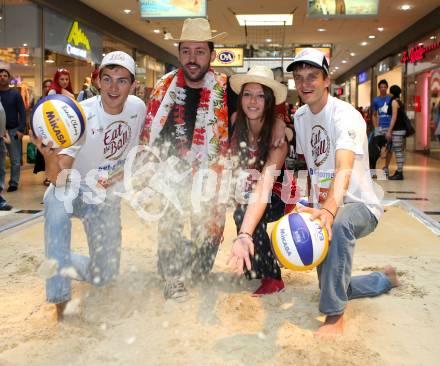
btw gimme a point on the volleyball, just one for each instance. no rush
(59, 119)
(298, 243)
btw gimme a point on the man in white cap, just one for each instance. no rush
(188, 118)
(331, 135)
(90, 169)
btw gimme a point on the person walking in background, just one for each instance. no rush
(4, 206)
(381, 118)
(61, 84)
(15, 126)
(91, 89)
(39, 159)
(397, 131)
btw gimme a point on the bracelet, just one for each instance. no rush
(244, 233)
(331, 213)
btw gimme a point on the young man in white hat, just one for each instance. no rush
(331, 135)
(188, 118)
(114, 123)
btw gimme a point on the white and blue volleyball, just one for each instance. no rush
(298, 243)
(59, 119)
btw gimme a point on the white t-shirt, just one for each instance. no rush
(108, 139)
(318, 136)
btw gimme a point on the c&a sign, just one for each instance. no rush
(418, 53)
(228, 57)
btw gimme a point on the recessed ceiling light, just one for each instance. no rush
(50, 61)
(380, 29)
(321, 29)
(372, 36)
(432, 37)
(352, 54)
(103, 54)
(264, 19)
(25, 44)
(344, 61)
(364, 43)
(268, 40)
(336, 67)
(127, 11)
(420, 44)
(405, 7)
(214, 30)
(175, 44)
(156, 31)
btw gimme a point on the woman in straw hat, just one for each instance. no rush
(258, 93)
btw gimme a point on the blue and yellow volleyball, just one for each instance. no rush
(298, 243)
(59, 119)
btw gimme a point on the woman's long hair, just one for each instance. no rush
(241, 130)
(55, 83)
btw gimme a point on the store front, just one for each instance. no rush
(422, 61)
(363, 91)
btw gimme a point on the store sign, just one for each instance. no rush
(362, 77)
(150, 9)
(418, 53)
(77, 42)
(229, 57)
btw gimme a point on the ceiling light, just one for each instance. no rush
(264, 19)
(23, 55)
(364, 43)
(420, 44)
(405, 7)
(103, 54)
(321, 29)
(127, 11)
(380, 29)
(352, 54)
(268, 40)
(175, 44)
(432, 37)
(157, 31)
(25, 44)
(372, 36)
(214, 30)
(336, 67)
(344, 61)
(167, 36)
(50, 61)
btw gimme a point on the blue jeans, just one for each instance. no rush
(353, 221)
(15, 150)
(102, 224)
(2, 164)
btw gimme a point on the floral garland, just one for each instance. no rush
(210, 138)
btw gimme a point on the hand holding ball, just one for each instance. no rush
(58, 119)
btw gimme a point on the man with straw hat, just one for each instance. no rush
(187, 119)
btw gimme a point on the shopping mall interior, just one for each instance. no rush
(129, 322)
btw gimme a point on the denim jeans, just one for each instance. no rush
(15, 150)
(264, 264)
(353, 221)
(102, 224)
(2, 164)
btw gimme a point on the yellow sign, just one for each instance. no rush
(77, 36)
(229, 57)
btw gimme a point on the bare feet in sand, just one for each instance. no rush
(333, 326)
(391, 273)
(60, 310)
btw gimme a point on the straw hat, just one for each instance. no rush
(262, 75)
(198, 30)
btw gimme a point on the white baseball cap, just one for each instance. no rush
(119, 58)
(310, 56)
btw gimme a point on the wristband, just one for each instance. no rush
(244, 233)
(331, 213)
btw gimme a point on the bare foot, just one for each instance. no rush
(60, 310)
(333, 326)
(391, 273)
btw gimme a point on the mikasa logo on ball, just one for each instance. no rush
(116, 138)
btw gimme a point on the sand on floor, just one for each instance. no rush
(129, 322)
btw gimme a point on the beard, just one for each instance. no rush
(195, 77)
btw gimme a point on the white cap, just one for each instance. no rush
(119, 58)
(310, 56)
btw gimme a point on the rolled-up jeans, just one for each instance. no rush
(353, 221)
(102, 224)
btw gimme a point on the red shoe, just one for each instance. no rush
(269, 286)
